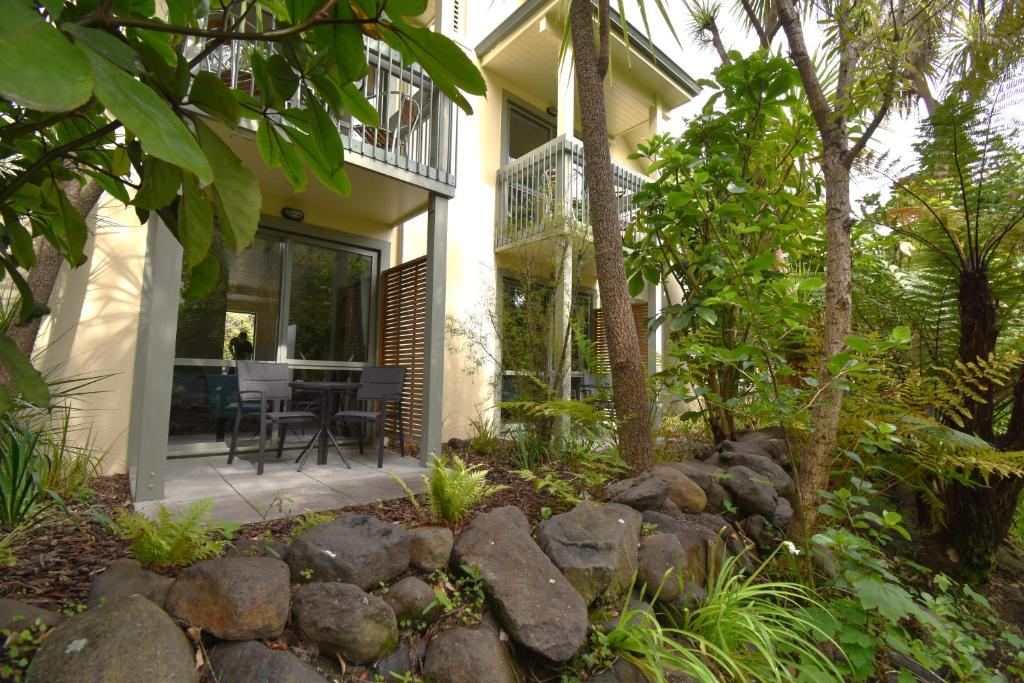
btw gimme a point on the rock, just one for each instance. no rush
(126, 577)
(18, 616)
(457, 444)
(770, 441)
(252, 662)
(783, 515)
(352, 549)
(753, 494)
(409, 598)
(403, 661)
(463, 655)
(608, 621)
(761, 464)
(623, 671)
(649, 490)
(708, 477)
(697, 534)
(665, 566)
(233, 598)
(537, 606)
(756, 527)
(594, 546)
(258, 547)
(126, 641)
(342, 619)
(431, 547)
(690, 597)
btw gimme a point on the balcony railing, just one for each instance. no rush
(544, 193)
(418, 123)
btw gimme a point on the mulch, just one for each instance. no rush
(55, 562)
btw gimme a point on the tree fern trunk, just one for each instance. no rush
(978, 334)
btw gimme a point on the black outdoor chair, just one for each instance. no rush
(378, 386)
(266, 384)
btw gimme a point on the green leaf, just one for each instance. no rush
(892, 601)
(236, 192)
(278, 152)
(337, 180)
(353, 99)
(41, 68)
(282, 78)
(25, 379)
(707, 315)
(21, 240)
(325, 135)
(636, 283)
(195, 222)
(445, 61)
(901, 335)
(210, 94)
(406, 8)
(810, 284)
(346, 42)
(160, 182)
(150, 118)
(106, 44)
(202, 279)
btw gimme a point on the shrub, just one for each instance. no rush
(175, 540)
(453, 488)
(66, 461)
(21, 494)
(485, 439)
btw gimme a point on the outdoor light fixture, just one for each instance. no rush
(292, 214)
(551, 111)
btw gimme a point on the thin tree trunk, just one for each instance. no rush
(978, 335)
(629, 376)
(43, 275)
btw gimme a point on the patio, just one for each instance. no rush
(240, 495)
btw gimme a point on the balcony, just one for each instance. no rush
(543, 194)
(416, 140)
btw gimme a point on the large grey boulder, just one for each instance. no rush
(752, 492)
(249, 661)
(409, 600)
(431, 547)
(666, 566)
(463, 655)
(707, 476)
(783, 515)
(127, 641)
(536, 605)
(404, 660)
(770, 441)
(344, 620)
(762, 464)
(622, 671)
(701, 538)
(126, 577)
(18, 616)
(233, 598)
(354, 549)
(594, 546)
(651, 489)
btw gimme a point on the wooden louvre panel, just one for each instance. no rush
(600, 338)
(403, 323)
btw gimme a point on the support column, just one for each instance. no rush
(655, 343)
(433, 383)
(656, 118)
(562, 305)
(154, 363)
(566, 105)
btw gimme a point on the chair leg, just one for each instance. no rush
(281, 431)
(263, 444)
(234, 436)
(380, 441)
(401, 431)
(361, 428)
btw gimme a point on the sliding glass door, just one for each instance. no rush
(310, 303)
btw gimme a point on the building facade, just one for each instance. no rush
(448, 217)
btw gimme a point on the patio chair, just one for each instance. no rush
(378, 386)
(266, 384)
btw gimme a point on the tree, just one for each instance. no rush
(629, 376)
(110, 95)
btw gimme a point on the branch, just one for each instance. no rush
(862, 141)
(755, 22)
(823, 114)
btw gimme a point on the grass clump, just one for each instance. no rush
(175, 540)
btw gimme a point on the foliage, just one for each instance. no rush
(310, 519)
(453, 488)
(117, 94)
(878, 603)
(21, 493)
(460, 598)
(484, 439)
(18, 647)
(175, 540)
(730, 217)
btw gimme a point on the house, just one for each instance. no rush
(445, 212)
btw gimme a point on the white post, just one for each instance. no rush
(433, 347)
(565, 121)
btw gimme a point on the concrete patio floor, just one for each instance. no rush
(240, 495)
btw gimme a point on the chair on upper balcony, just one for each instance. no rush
(400, 115)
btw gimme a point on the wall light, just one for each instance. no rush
(292, 214)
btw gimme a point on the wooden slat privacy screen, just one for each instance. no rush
(403, 322)
(600, 339)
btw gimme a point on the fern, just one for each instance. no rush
(175, 540)
(453, 488)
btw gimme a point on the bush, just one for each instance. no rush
(453, 488)
(21, 494)
(175, 540)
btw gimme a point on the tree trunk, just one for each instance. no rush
(629, 376)
(43, 275)
(978, 334)
(978, 519)
(815, 462)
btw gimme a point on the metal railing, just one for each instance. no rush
(544, 193)
(417, 131)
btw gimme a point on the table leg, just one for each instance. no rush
(321, 458)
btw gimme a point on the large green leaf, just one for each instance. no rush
(195, 222)
(325, 135)
(107, 45)
(25, 379)
(278, 152)
(160, 182)
(236, 192)
(210, 94)
(202, 279)
(445, 61)
(150, 118)
(39, 67)
(356, 103)
(336, 180)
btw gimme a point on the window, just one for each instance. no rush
(526, 132)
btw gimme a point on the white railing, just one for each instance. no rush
(544, 193)
(418, 122)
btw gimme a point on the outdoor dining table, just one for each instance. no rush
(325, 391)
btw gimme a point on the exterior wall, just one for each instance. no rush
(94, 324)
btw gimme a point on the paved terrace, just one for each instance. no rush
(240, 495)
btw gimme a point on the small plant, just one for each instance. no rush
(485, 439)
(18, 648)
(461, 598)
(21, 495)
(453, 488)
(175, 540)
(308, 520)
(307, 573)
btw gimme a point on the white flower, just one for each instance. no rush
(791, 547)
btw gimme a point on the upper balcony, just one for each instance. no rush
(543, 194)
(416, 139)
